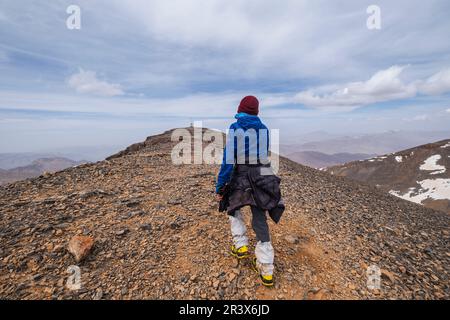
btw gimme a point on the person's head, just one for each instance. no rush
(249, 105)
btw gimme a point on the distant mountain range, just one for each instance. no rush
(318, 160)
(12, 160)
(377, 143)
(420, 174)
(37, 168)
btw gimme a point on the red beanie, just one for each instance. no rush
(249, 105)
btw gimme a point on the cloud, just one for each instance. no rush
(181, 47)
(448, 110)
(385, 85)
(87, 82)
(298, 39)
(3, 57)
(438, 83)
(419, 117)
(195, 105)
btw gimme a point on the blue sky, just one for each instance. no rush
(138, 67)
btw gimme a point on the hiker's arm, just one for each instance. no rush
(227, 164)
(225, 172)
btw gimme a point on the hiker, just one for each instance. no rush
(241, 182)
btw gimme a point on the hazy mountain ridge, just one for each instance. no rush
(13, 160)
(315, 159)
(36, 168)
(377, 143)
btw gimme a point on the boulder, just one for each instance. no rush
(80, 246)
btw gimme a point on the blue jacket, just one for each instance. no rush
(244, 122)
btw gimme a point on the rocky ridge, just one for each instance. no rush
(420, 174)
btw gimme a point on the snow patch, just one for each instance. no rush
(399, 158)
(446, 145)
(381, 158)
(430, 164)
(437, 189)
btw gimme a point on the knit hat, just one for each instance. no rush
(249, 105)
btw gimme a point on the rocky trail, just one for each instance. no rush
(158, 235)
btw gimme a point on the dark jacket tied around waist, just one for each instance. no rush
(254, 185)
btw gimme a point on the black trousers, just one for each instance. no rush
(259, 224)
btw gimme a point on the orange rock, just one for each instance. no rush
(388, 275)
(80, 246)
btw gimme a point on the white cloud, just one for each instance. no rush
(436, 84)
(88, 83)
(215, 45)
(218, 23)
(448, 110)
(298, 39)
(195, 105)
(255, 38)
(419, 117)
(385, 85)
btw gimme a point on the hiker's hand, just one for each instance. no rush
(219, 197)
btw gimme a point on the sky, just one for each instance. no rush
(139, 67)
